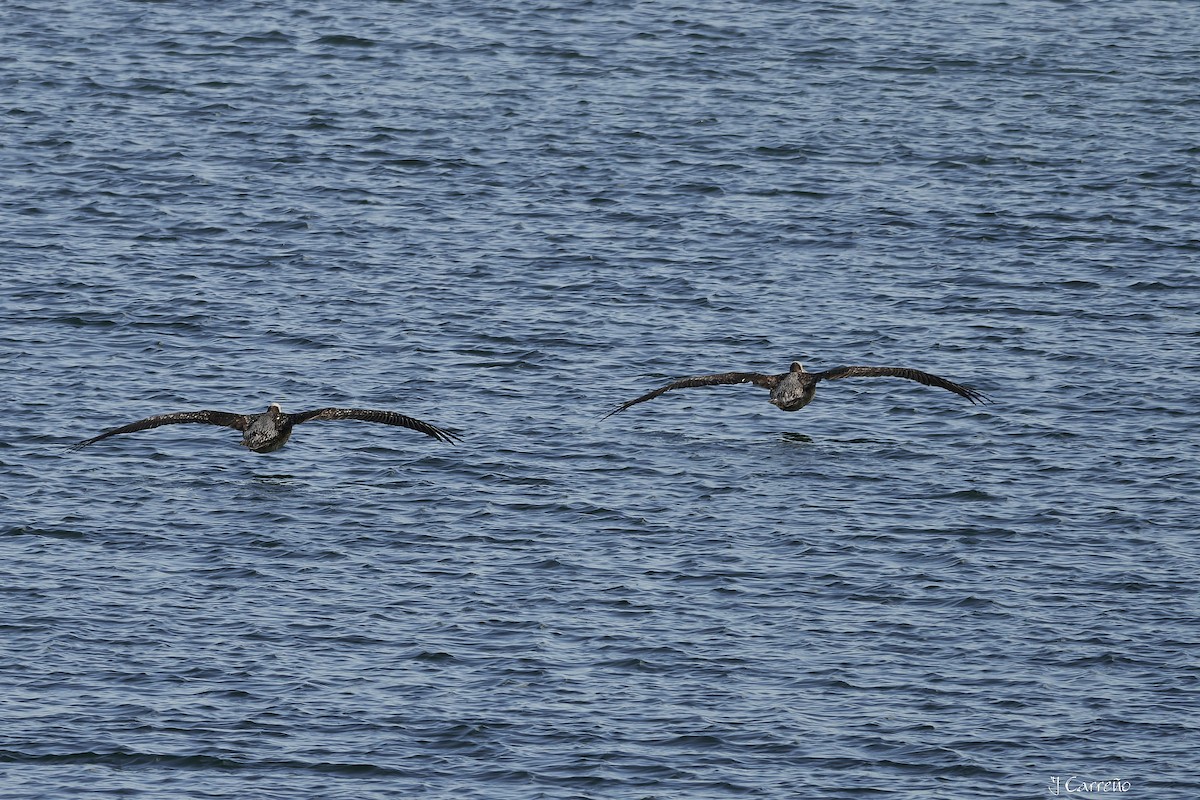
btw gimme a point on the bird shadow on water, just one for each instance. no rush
(269, 479)
(266, 489)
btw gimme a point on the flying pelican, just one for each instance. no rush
(794, 389)
(269, 431)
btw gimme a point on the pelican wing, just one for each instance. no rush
(384, 417)
(758, 379)
(837, 373)
(223, 418)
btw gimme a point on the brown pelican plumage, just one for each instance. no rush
(794, 389)
(269, 431)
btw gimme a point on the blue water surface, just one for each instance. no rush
(507, 218)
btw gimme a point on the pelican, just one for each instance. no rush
(269, 431)
(794, 389)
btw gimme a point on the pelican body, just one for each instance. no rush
(270, 430)
(795, 389)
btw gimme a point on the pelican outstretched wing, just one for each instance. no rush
(757, 378)
(837, 373)
(223, 418)
(384, 417)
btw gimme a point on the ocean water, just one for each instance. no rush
(507, 218)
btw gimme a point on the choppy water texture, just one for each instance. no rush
(506, 218)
